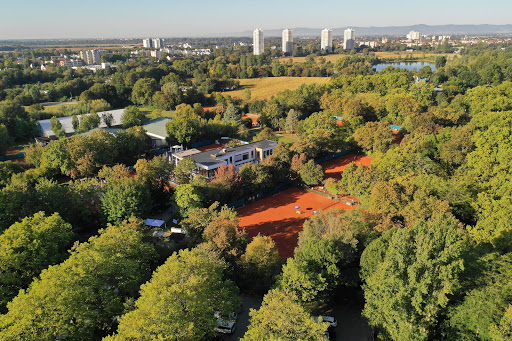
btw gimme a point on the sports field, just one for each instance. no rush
(276, 216)
(334, 167)
(265, 88)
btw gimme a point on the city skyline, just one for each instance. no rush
(30, 20)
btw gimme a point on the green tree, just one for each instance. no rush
(281, 317)
(292, 119)
(440, 62)
(232, 115)
(265, 134)
(108, 119)
(374, 136)
(75, 122)
(187, 197)
(484, 307)
(143, 91)
(180, 301)
(4, 139)
(80, 298)
(125, 199)
(311, 173)
(261, 263)
(412, 275)
(56, 127)
(132, 116)
(185, 170)
(182, 130)
(28, 247)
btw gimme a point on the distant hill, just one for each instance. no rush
(394, 30)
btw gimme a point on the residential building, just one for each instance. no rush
(413, 35)
(157, 54)
(157, 43)
(288, 41)
(258, 42)
(92, 56)
(147, 43)
(209, 161)
(326, 40)
(71, 63)
(349, 39)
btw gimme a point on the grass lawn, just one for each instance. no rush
(265, 88)
(150, 115)
(287, 138)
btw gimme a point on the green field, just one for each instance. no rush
(265, 88)
(151, 114)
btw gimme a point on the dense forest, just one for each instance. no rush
(429, 245)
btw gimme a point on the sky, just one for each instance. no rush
(31, 19)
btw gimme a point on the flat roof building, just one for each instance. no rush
(209, 161)
(258, 42)
(326, 40)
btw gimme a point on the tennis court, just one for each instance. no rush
(277, 217)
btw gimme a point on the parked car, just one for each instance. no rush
(331, 320)
(226, 325)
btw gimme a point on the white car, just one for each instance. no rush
(329, 319)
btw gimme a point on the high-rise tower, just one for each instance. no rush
(288, 41)
(326, 41)
(349, 39)
(258, 42)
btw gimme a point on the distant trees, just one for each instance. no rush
(181, 300)
(4, 139)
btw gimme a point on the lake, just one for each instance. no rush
(405, 65)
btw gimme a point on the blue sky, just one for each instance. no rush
(25, 19)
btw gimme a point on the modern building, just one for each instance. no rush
(258, 42)
(147, 43)
(349, 39)
(326, 40)
(155, 129)
(92, 56)
(288, 41)
(209, 161)
(157, 43)
(413, 35)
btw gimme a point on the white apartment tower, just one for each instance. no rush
(287, 41)
(349, 39)
(147, 43)
(413, 35)
(326, 41)
(258, 42)
(158, 43)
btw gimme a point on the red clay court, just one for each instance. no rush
(276, 216)
(335, 167)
